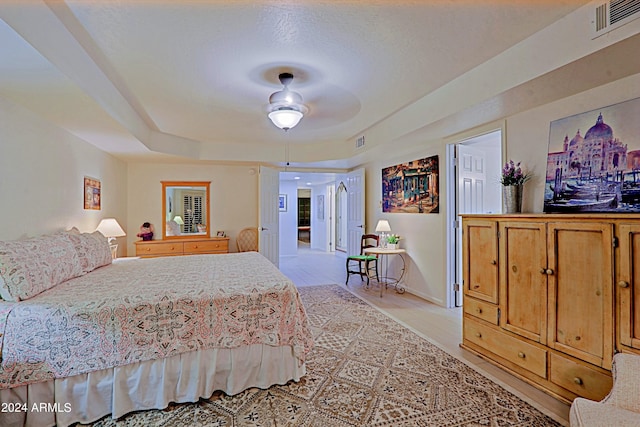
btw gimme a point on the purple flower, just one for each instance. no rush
(512, 174)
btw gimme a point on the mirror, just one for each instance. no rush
(185, 209)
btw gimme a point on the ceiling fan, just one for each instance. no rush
(285, 106)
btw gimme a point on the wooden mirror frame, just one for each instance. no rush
(207, 214)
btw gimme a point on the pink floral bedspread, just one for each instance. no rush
(142, 309)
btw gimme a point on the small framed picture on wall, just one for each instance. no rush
(282, 202)
(91, 193)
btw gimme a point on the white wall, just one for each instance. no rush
(289, 220)
(528, 132)
(234, 196)
(422, 235)
(42, 170)
(527, 139)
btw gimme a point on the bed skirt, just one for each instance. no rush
(148, 385)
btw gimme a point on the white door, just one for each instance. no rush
(355, 211)
(341, 218)
(477, 190)
(472, 179)
(269, 213)
(331, 219)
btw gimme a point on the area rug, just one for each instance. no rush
(365, 370)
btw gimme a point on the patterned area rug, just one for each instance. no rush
(365, 370)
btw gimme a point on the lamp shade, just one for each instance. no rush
(178, 220)
(109, 227)
(285, 118)
(383, 225)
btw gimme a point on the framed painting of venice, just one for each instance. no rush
(593, 161)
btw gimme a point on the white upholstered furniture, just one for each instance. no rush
(621, 407)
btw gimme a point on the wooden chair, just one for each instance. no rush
(363, 264)
(247, 240)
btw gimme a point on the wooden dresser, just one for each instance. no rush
(550, 298)
(153, 248)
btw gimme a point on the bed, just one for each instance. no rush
(138, 334)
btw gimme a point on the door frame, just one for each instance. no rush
(454, 226)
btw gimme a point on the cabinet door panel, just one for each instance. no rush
(629, 285)
(523, 281)
(580, 290)
(480, 259)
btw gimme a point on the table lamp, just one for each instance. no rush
(383, 227)
(110, 229)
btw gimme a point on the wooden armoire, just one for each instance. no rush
(551, 297)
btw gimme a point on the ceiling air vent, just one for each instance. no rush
(613, 14)
(360, 142)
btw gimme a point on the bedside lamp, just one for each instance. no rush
(110, 229)
(383, 227)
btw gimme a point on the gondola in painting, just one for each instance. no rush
(593, 162)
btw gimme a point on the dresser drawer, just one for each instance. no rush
(516, 351)
(206, 247)
(483, 310)
(579, 378)
(159, 249)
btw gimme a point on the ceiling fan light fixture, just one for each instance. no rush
(285, 106)
(285, 118)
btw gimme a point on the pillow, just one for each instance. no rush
(29, 267)
(92, 248)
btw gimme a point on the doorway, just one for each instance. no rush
(341, 218)
(304, 216)
(474, 183)
(308, 222)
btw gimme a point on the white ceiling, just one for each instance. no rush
(191, 79)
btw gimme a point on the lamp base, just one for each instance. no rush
(114, 250)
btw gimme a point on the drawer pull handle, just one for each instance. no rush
(478, 334)
(493, 262)
(521, 355)
(577, 380)
(549, 271)
(543, 270)
(623, 284)
(476, 286)
(479, 311)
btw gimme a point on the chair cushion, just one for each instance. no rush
(363, 257)
(585, 413)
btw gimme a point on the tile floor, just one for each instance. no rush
(442, 326)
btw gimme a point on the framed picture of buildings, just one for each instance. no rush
(411, 187)
(593, 161)
(91, 193)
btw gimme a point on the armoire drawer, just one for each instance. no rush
(579, 378)
(516, 351)
(482, 310)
